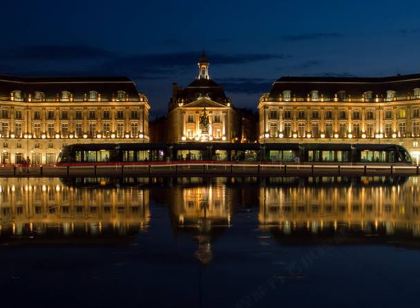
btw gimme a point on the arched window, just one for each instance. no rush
(39, 96)
(121, 96)
(16, 95)
(390, 95)
(65, 96)
(314, 95)
(287, 95)
(341, 95)
(93, 96)
(367, 96)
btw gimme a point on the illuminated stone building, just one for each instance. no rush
(40, 115)
(201, 112)
(342, 110)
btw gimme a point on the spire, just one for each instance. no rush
(203, 66)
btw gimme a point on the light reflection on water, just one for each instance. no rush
(290, 208)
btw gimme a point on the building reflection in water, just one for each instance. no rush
(375, 205)
(204, 209)
(43, 206)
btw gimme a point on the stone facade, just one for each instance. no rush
(343, 110)
(201, 112)
(39, 116)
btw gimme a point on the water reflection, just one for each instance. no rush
(293, 209)
(349, 207)
(39, 207)
(203, 209)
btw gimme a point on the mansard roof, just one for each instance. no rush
(79, 87)
(197, 89)
(300, 87)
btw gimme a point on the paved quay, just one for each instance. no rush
(208, 169)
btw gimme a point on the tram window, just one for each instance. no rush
(275, 155)
(327, 155)
(250, 155)
(314, 155)
(373, 156)
(189, 155)
(129, 156)
(78, 156)
(142, 155)
(103, 156)
(343, 156)
(221, 155)
(90, 156)
(288, 155)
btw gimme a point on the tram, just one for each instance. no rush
(132, 153)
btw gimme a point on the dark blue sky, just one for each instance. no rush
(249, 43)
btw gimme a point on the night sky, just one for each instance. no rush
(249, 43)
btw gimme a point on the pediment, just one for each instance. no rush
(204, 103)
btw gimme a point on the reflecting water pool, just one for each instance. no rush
(209, 242)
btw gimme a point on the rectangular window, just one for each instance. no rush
(369, 131)
(134, 115)
(134, 130)
(388, 114)
(273, 131)
(328, 130)
(356, 130)
(328, 115)
(301, 115)
(92, 115)
(4, 114)
(402, 129)
(92, 130)
(401, 114)
(287, 130)
(106, 115)
(18, 130)
(273, 115)
(356, 115)
(370, 115)
(79, 115)
(64, 130)
(315, 115)
(388, 130)
(50, 115)
(51, 131)
(37, 130)
(315, 130)
(64, 115)
(120, 130)
(287, 115)
(301, 130)
(416, 129)
(106, 129)
(37, 115)
(5, 129)
(120, 115)
(190, 118)
(343, 115)
(18, 115)
(79, 130)
(216, 119)
(343, 130)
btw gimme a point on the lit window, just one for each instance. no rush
(287, 95)
(65, 96)
(314, 95)
(121, 96)
(93, 96)
(390, 95)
